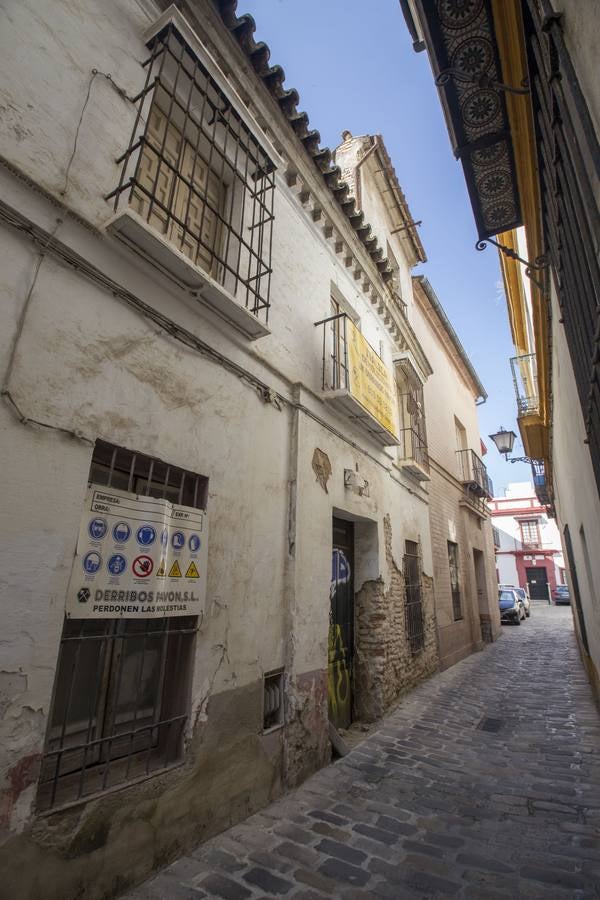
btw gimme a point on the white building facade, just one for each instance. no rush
(215, 537)
(529, 552)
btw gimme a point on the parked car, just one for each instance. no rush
(521, 594)
(561, 594)
(511, 606)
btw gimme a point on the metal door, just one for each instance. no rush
(341, 625)
(537, 579)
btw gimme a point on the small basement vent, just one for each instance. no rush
(273, 700)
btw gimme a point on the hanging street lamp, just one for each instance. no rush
(504, 441)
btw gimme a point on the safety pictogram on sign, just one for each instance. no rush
(192, 571)
(175, 571)
(142, 566)
(162, 569)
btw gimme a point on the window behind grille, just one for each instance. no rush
(178, 194)
(411, 409)
(195, 172)
(120, 704)
(414, 600)
(272, 700)
(121, 692)
(339, 350)
(530, 532)
(454, 580)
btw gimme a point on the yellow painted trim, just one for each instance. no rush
(515, 295)
(510, 39)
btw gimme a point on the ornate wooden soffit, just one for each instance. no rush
(461, 41)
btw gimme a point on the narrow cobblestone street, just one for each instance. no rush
(483, 783)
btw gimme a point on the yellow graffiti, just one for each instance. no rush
(338, 681)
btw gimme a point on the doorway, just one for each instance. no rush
(537, 581)
(341, 625)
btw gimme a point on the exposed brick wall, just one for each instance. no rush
(384, 664)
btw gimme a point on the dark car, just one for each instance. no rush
(561, 594)
(521, 594)
(511, 607)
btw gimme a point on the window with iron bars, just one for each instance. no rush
(411, 408)
(415, 628)
(454, 581)
(197, 175)
(121, 691)
(530, 532)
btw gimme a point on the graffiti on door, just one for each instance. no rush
(340, 640)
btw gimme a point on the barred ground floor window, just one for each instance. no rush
(122, 687)
(120, 705)
(414, 597)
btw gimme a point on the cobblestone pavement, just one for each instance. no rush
(483, 783)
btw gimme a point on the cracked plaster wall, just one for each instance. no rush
(87, 363)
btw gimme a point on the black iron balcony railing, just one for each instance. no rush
(400, 304)
(540, 482)
(355, 380)
(412, 451)
(473, 474)
(524, 373)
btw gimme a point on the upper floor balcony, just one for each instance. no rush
(473, 474)
(540, 482)
(524, 373)
(412, 453)
(356, 381)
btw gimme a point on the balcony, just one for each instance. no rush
(540, 483)
(413, 455)
(474, 476)
(524, 374)
(356, 381)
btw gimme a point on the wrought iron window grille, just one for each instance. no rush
(414, 619)
(197, 175)
(334, 350)
(273, 702)
(118, 711)
(121, 693)
(454, 581)
(568, 158)
(411, 407)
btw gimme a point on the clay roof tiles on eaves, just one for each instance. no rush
(242, 28)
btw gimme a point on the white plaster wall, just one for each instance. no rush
(447, 395)
(576, 494)
(507, 569)
(518, 496)
(88, 363)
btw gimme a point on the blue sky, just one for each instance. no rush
(353, 65)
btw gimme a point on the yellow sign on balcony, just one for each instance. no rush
(370, 382)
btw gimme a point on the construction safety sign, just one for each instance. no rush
(137, 557)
